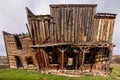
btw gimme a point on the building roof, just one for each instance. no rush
(73, 5)
(106, 15)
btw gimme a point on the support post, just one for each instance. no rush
(83, 60)
(62, 52)
(84, 50)
(62, 59)
(76, 66)
(110, 55)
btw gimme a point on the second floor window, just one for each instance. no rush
(17, 41)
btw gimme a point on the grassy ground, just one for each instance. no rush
(17, 74)
(115, 71)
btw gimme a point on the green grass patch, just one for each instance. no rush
(116, 70)
(19, 74)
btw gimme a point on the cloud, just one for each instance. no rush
(12, 15)
(12, 19)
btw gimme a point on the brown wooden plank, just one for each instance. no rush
(47, 31)
(55, 26)
(80, 27)
(36, 31)
(76, 26)
(39, 29)
(62, 26)
(72, 37)
(39, 38)
(66, 26)
(111, 29)
(33, 32)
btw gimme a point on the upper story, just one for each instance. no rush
(70, 23)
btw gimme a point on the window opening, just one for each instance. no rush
(18, 43)
(29, 60)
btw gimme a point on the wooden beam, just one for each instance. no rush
(83, 60)
(62, 52)
(84, 50)
(110, 56)
(76, 66)
(29, 32)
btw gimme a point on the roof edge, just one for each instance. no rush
(108, 15)
(29, 12)
(73, 5)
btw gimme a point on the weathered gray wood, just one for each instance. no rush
(36, 31)
(59, 24)
(66, 26)
(29, 32)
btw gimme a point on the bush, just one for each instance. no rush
(116, 60)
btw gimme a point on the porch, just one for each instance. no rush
(79, 56)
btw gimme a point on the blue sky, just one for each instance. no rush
(13, 15)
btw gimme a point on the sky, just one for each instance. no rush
(13, 15)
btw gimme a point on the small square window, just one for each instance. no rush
(29, 60)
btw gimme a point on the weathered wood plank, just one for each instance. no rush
(62, 24)
(33, 32)
(41, 31)
(72, 12)
(66, 26)
(59, 24)
(37, 32)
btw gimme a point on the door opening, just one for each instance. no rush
(71, 61)
(18, 62)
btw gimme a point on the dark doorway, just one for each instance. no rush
(18, 62)
(29, 60)
(71, 61)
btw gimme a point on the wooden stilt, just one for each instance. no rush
(76, 66)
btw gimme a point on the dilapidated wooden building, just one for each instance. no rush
(72, 37)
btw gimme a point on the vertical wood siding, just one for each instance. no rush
(103, 27)
(71, 24)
